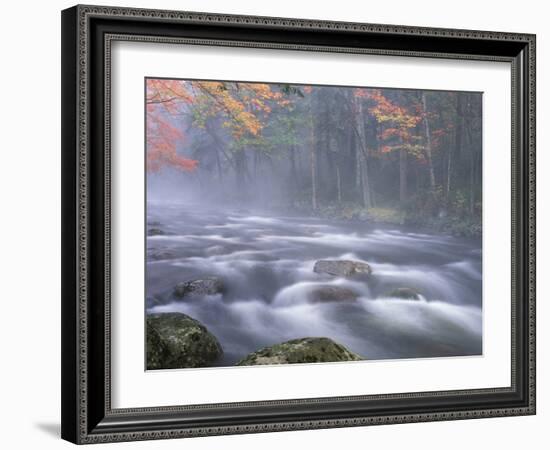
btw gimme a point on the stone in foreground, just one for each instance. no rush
(341, 267)
(404, 293)
(199, 287)
(305, 350)
(176, 341)
(324, 294)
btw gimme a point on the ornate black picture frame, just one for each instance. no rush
(87, 34)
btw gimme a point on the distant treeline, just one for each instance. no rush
(395, 154)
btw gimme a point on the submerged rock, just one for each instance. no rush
(305, 350)
(155, 232)
(323, 294)
(341, 267)
(175, 341)
(404, 293)
(160, 254)
(199, 287)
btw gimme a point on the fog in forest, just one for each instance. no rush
(280, 212)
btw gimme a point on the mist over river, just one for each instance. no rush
(266, 263)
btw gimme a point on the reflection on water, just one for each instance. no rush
(266, 263)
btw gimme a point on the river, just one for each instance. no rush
(266, 262)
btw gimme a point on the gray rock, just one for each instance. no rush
(341, 267)
(176, 341)
(327, 293)
(155, 232)
(404, 293)
(160, 254)
(199, 287)
(305, 350)
(226, 249)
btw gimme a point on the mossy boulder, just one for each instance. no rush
(199, 287)
(341, 267)
(404, 293)
(304, 350)
(328, 293)
(176, 341)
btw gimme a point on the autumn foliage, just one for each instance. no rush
(399, 121)
(327, 143)
(164, 98)
(242, 107)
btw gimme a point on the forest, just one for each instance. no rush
(398, 156)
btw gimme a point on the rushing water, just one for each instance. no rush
(266, 263)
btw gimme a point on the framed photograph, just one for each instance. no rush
(280, 224)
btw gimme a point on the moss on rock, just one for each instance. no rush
(175, 340)
(304, 350)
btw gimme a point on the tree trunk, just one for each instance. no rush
(313, 152)
(338, 183)
(219, 144)
(363, 160)
(293, 175)
(428, 142)
(219, 166)
(358, 181)
(240, 172)
(353, 179)
(402, 176)
(471, 168)
(472, 189)
(449, 166)
(459, 130)
(313, 163)
(365, 183)
(256, 165)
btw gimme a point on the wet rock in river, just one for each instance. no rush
(404, 293)
(327, 293)
(341, 267)
(226, 249)
(175, 340)
(199, 287)
(160, 254)
(155, 232)
(304, 350)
